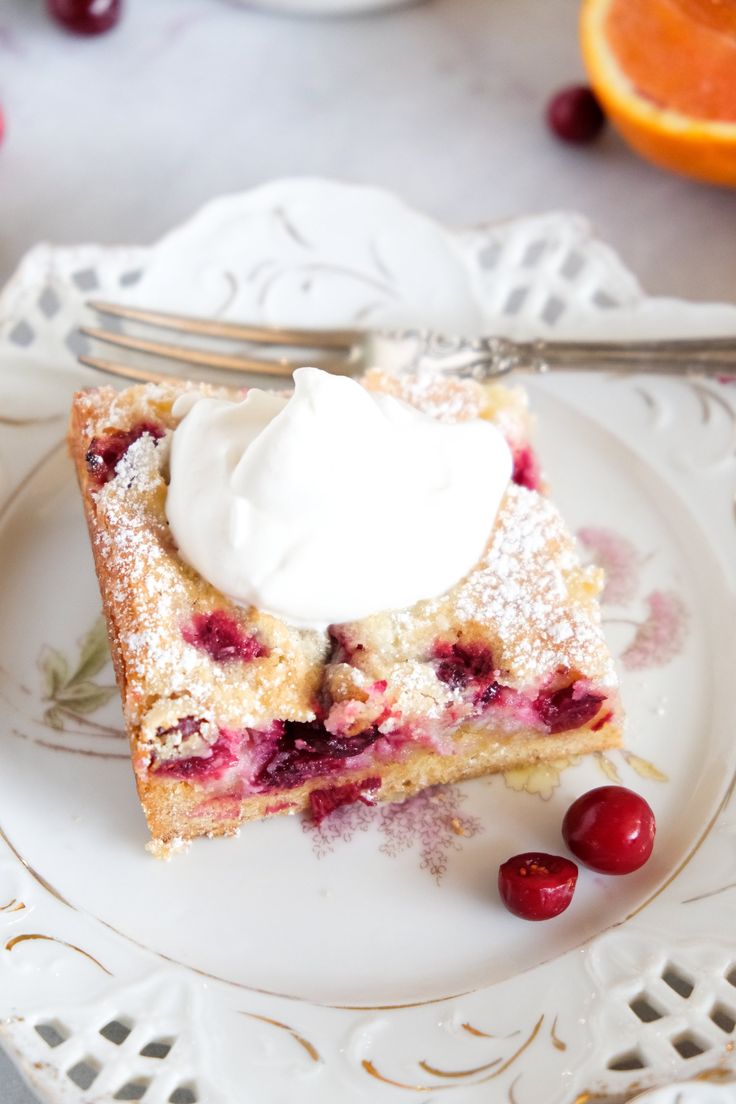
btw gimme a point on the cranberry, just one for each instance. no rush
(306, 749)
(610, 829)
(220, 756)
(105, 453)
(187, 726)
(220, 636)
(277, 807)
(86, 17)
(324, 801)
(566, 709)
(463, 666)
(526, 471)
(536, 886)
(575, 115)
(2, 125)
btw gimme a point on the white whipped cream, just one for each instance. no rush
(332, 504)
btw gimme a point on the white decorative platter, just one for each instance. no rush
(371, 960)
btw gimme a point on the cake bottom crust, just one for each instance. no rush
(184, 811)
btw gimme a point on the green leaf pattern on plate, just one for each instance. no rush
(74, 694)
(55, 671)
(94, 653)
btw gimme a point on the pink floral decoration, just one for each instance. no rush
(618, 558)
(431, 821)
(661, 636)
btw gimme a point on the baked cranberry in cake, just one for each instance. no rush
(467, 666)
(220, 636)
(568, 708)
(305, 750)
(236, 714)
(105, 452)
(210, 765)
(526, 471)
(325, 801)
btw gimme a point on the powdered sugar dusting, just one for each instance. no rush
(529, 600)
(447, 400)
(541, 603)
(457, 400)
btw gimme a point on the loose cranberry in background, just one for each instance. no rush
(610, 829)
(575, 115)
(2, 125)
(536, 886)
(86, 17)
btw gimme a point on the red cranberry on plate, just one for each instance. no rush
(610, 829)
(575, 115)
(86, 17)
(536, 886)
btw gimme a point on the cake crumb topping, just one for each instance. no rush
(164, 850)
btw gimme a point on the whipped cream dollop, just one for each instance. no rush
(334, 503)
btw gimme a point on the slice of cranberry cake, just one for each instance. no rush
(235, 715)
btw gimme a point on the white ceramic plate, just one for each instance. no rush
(371, 960)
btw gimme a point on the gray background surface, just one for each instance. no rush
(12, 1088)
(118, 138)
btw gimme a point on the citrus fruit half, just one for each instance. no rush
(665, 72)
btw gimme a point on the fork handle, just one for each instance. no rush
(488, 357)
(709, 356)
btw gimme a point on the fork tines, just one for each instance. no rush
(340, 346)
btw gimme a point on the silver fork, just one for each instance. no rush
(347, 352)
